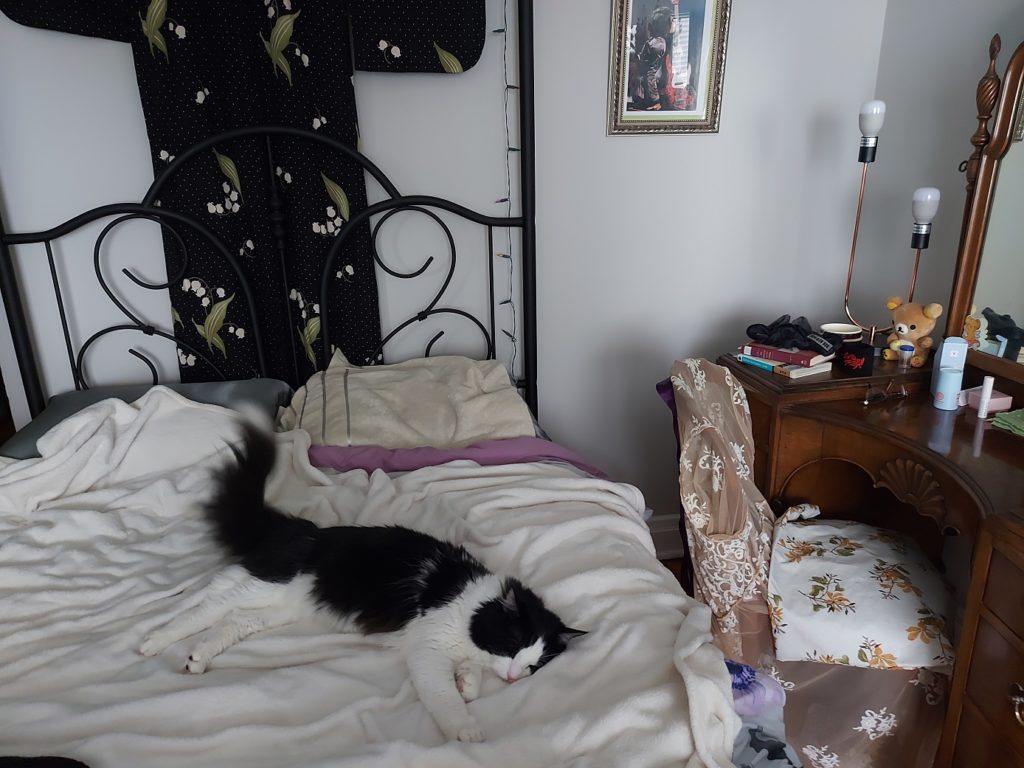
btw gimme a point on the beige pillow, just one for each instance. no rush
(442, 402)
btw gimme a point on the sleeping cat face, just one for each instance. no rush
(518, 633)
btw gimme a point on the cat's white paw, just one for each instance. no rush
(154, 644)
(467, 680)
(471, 733)
(196, 663)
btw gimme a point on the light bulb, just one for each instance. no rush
(925, 204)
(924, 208)
(872, 115)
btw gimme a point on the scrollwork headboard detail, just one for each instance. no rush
(173, 223)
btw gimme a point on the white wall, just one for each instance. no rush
(72, 137)
(658, 247)
(650, 248)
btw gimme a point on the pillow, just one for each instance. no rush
(439, 402)
(842, 592)
(266, 394)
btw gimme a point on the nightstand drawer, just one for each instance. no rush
(1004, 592)
(997, 664)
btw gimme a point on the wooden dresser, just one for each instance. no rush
(985, 717)
(954, 484)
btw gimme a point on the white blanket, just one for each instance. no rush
(101, 541)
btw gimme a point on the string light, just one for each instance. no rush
(507, 199)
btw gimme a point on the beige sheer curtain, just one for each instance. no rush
(728, 522)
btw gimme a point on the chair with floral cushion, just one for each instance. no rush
(849, 617)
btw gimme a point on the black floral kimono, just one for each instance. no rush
(206, 67)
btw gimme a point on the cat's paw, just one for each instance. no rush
(467, 680)
(470, 733)
(154, 644)
(196, 663)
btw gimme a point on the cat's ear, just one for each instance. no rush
(568, 634)
(510, 598)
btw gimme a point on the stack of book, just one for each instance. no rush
(792, 363)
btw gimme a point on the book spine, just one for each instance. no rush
(753, 361)
(799, 371)
(786, 371)
(773, 353)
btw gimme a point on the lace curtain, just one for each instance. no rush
(728, 523)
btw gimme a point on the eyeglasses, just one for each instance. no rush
(877, 394)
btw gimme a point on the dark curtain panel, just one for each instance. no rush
(204, 68)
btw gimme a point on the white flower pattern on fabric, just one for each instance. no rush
(230, 189)
(877, 724)
(740, 461)
(331, 227)
(729, 622)
(711, 460)
(283, 175)
(773, 673)
(725, 563)
(821, 757)
(177, 29)
(739, 397)
(700, 378)
(680, 383)
(385, 48)
(699, 425)
(696, 510)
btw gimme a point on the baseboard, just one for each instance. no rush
(665, 532)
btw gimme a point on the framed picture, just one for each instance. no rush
(666, 65)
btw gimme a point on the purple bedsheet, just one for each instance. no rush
(515, 450)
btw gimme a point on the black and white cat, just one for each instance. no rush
(450, 616)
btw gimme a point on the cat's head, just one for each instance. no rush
(518, 633)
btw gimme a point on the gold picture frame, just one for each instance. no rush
(666, 66)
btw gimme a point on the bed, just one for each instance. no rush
(101, 538)
(102, 542)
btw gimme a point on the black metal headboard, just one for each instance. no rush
(170, 221)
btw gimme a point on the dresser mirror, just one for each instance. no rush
(987, 304)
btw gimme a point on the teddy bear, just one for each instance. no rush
(911, 324)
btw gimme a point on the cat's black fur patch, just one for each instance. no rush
(386, 576)
(382, 576)
(516, 620)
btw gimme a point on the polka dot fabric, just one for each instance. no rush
(204, 68)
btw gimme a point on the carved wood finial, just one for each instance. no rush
(911, 483)
(986, 98)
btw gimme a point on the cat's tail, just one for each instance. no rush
(244, 524)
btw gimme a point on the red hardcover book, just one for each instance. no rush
(804, 357)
